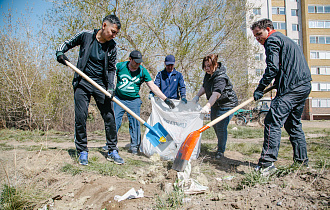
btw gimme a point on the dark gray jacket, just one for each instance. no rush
(286, 63)
(85, 39)
(220, 82)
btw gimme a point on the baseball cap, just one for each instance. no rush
(136, 56)
(169, 60)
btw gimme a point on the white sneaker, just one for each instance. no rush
(266, 171)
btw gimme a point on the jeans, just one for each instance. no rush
(134, 125)
(82, 96)
(285, 110)
(221, 127)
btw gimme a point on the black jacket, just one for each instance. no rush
(286, 63)
(220, 82)
(85, 39)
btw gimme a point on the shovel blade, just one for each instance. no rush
(159, 137)
(185, 151)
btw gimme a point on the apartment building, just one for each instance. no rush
(307, 22)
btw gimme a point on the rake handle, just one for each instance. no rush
(215, 121)
(105, 92)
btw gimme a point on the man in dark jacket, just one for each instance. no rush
(97, 59)
(170, 81)
(287, 65)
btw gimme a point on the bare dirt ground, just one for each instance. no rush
(41, 170)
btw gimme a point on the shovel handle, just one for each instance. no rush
(105, 92)
(215, 121)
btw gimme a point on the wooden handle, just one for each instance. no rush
(215, 121)
(105, 92)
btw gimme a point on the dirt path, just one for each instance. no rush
(40, 171)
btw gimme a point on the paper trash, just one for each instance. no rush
(131, 194)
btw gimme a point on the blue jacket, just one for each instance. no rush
(171, 86)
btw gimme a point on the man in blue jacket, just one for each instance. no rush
(287, 65)
(170, 81)
(97, 59)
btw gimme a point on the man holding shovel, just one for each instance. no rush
(97, 59)
(130, 76)
(287, 65)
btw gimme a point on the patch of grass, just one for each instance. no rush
(245, 148)
(11, 198)
(251, 179)
(71, 169)
(286, 170)
(5, 147)
(171, 200)
(245, 132)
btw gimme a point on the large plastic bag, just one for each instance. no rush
(178, 122)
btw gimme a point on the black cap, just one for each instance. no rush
(136, 56)
(169, 60)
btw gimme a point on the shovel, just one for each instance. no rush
(187, 147)
(157, 134)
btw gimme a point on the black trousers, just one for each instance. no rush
(285, 110)
(82, 96)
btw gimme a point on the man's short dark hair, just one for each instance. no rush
(113, 19)
(263, 24)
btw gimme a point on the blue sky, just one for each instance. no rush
(18, 6)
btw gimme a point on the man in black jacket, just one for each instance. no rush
(287, 65)
(97, 59)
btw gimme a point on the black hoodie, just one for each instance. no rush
(220, 82)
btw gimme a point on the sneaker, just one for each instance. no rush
(266, 171)
(105, 148)
(114, 156)
(134, 151)
(83, 158)
(219, 155)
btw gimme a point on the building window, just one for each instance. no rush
(320, 102)
(279, 25)
(258, 56)
(259, 72)
(278, 10)
(318, 9)
(320, 86)
(320, 70)
(319, 24)
(257, 11)
(294, 12)
(295, 27)
(320, 54)
(319, 39)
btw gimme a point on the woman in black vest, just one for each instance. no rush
(220, 95)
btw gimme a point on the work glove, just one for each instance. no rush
(184, 100)
(151, 95)
(195, 99)
(205, 110)
(112, 92)
(258, 93)
(61, 58)
(169, 103)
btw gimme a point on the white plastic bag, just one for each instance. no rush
(178, 122)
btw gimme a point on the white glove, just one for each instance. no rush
(205, 110)
(195, 99)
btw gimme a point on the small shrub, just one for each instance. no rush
(172, 200)
(11, 198)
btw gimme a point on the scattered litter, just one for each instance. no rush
(234, 128)
(279, 203)
(131, 194)
(225, 178)
(190, 186)
(195, 188)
